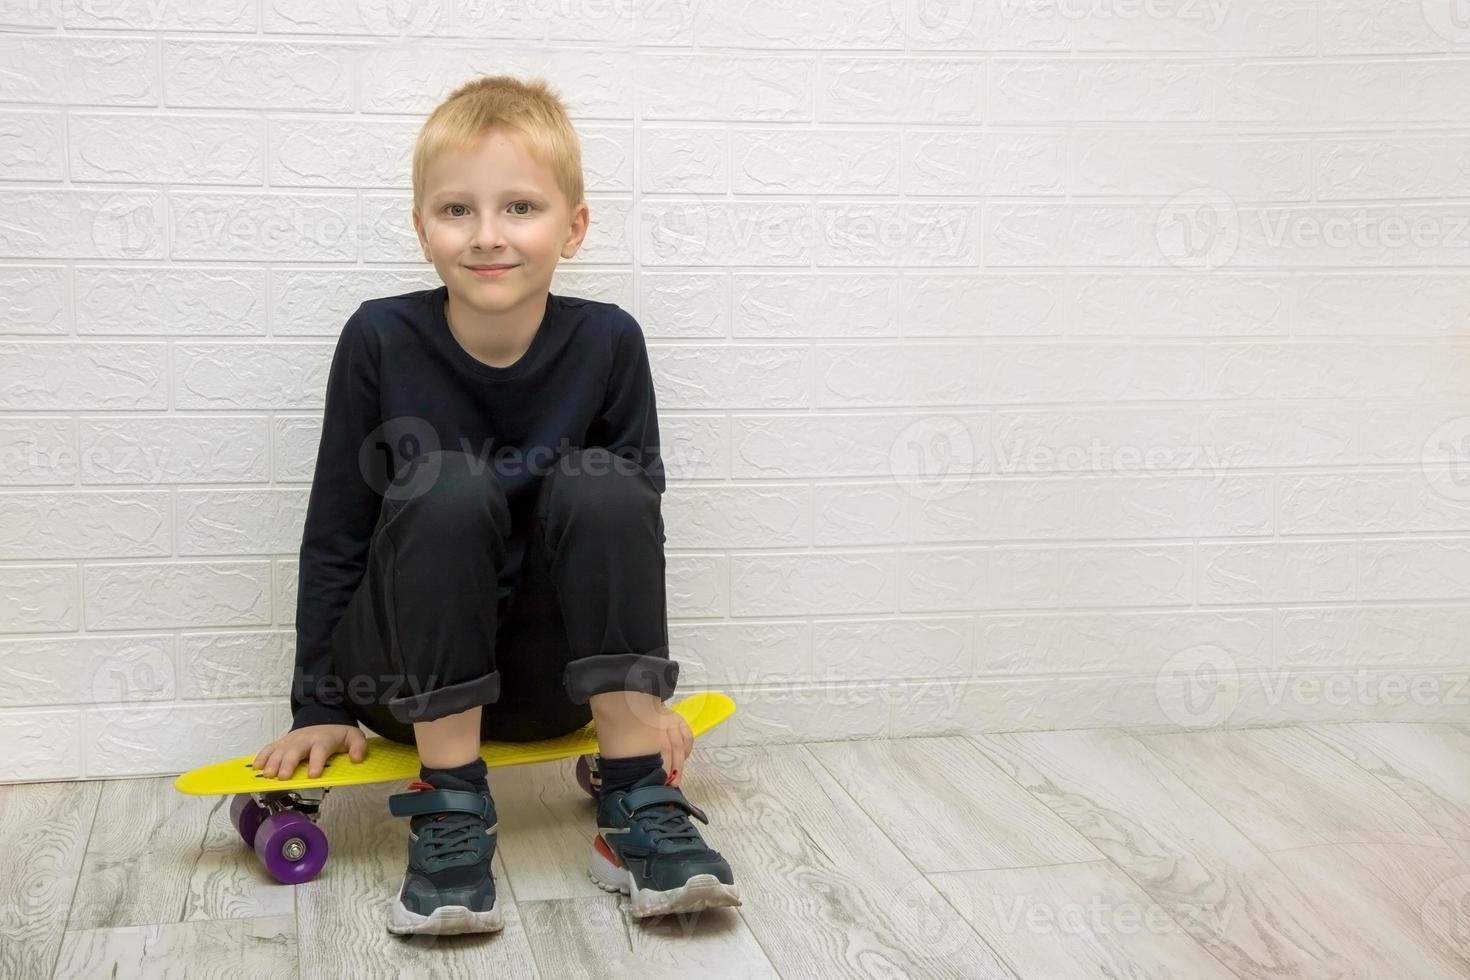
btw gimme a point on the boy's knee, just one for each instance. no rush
(452, 490)
(599, 481)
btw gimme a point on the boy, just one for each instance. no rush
(484, 529)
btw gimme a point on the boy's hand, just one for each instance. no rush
(314, 743)
(678, 743)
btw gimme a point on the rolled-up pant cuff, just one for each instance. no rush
(443, 701)
(650, 673)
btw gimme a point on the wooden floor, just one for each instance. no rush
(1325, 851)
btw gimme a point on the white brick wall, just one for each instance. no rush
(1039, 365)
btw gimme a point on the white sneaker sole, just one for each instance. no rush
(699, 892)
(446, 920)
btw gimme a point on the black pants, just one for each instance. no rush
(431, 631)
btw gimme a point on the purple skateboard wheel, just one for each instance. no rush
(292, 848)
(246, 815)
(584, 776)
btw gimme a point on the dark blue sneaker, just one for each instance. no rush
(647, 849)
(448, 887)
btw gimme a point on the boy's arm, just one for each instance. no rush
(628, 421)
(340, 516)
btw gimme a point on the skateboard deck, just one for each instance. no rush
(387, 761)
(278, 817)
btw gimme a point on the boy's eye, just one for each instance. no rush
(528, 205)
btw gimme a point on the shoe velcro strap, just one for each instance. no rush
(439, 801)
(646, 796)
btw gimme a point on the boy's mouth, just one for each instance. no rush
(490, 271)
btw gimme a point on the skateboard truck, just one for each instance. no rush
(307, 801)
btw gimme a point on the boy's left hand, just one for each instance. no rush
(678, 743)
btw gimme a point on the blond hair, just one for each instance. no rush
(530, 109)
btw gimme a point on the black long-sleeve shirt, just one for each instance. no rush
(400, 385)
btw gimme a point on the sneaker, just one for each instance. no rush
(647, 849)
(448, 887)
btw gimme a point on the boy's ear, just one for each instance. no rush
(577, 231)
(418, 230)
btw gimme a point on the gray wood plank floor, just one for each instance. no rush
(1322, 851)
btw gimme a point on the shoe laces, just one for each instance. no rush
(449, 835)
(667, 824)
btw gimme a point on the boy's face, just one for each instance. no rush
(496, 205)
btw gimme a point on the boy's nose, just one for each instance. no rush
(488, 236)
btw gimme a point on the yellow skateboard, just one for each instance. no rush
(277, 817)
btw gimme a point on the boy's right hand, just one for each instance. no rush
(314, 743)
